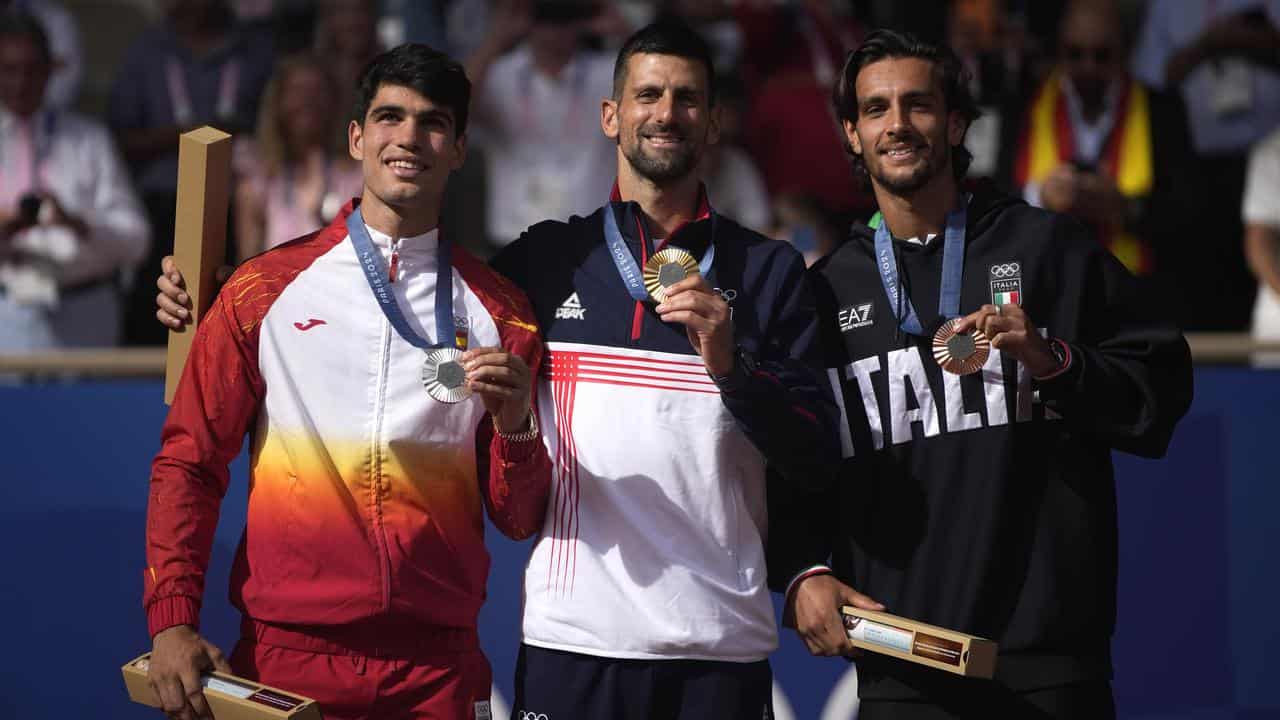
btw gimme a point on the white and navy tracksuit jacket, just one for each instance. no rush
(653, 542)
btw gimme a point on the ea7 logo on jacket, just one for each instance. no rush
(856, 316)
(571, 309)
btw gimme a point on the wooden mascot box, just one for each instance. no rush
(917, 642)
(229, 697)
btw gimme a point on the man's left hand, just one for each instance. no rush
(706, 320)
(1012, 332)
(503, 382)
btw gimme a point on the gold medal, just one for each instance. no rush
(666, 268)
(960, 353)
(444, 376)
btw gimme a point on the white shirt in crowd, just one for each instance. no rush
(1262, 207)
(547, 158)
(1231, 102)
(68, 295)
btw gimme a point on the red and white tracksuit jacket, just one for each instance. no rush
(364, 499)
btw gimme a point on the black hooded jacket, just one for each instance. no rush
(986, 503)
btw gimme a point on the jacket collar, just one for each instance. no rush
(694, 235)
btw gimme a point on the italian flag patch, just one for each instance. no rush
(1009, 297)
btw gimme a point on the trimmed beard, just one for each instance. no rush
(917, 179)
(673, 166)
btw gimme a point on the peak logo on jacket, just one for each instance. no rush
(571, 309)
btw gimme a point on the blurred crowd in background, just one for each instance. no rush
(1155, 123)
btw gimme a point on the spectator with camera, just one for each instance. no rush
(69, 221)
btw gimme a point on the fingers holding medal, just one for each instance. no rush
(503, 382)
(1002, 324)
(1011, 331)
(706, 319)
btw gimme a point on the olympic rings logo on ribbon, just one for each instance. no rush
(1006, 270)
(527, 715)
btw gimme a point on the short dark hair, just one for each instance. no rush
(665, 37)
(430, 72)
(885, 44)
(21, 24)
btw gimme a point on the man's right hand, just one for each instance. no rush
(813, 609)
(179, 656)
(173, 304)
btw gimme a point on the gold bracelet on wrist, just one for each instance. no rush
(529, 433)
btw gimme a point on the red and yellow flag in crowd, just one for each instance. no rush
(1047, 141)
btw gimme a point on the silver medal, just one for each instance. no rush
(444, 376)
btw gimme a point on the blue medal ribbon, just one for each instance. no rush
(952, 272)
(628, 269)
(375, 271)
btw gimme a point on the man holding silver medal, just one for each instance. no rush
(374, 366)
(682, 360)
(989, 356)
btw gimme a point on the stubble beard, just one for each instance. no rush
(919, 176)
(665, 167)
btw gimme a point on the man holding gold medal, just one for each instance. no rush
(682, 357)
(989, 356)
(374, 366)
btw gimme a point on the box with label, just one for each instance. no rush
(229, 697)
(917, 642)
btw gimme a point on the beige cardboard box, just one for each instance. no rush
(200, 233)
(917, 642)
(229, 697)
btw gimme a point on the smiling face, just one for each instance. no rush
(904, 131)
(662, 118)
(407, 146)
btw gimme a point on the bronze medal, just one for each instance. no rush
(960, 353)
(666, 268)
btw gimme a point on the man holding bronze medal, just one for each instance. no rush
(374, 366)
(989, 356)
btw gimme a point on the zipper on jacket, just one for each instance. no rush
(395, 260)
(376, 479)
